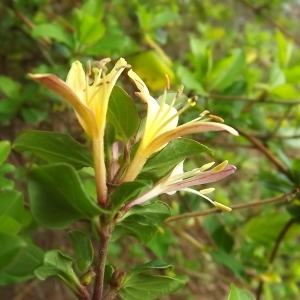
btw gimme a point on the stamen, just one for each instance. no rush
(206, 166)
(123, 67)
(179, 91)
(88, 69)
(221, 166)
(204, 113)
(216, 118)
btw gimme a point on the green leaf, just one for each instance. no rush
(89, 28)
(94, 8)
(59, 265)
(83, 249)
(161, 242)
(11, 212)
(277, 77)
(190, 80)
(54, 148)
(9, 88)
(285, 91)
(258, 228)
(224, 259)
(128, 191)
(239, 294)
(292, 74)
(148, 287)
(54, 31)
(150, 266)
(4, 150)
(226, 71)
(18, 259)
(122, 113)
(141, 221)
(57, 197)
(218, 233)
(284, 49)
(163, 162)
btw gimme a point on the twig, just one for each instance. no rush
(274, 253)
(285, 197)
(265, 151)
(260, 11)
(253, 100)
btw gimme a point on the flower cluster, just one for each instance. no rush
(90, 102)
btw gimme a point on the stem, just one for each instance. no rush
(100, 171)
(285, 197)
(103, 247)
(274, 252)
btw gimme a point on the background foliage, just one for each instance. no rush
(242, 60)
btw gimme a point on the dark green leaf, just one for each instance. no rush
(83, 249)
(54, 147)
(239, 294)
(57, 196)
(164, 162)
(11, 204)
(128, 191)
(148, 287)
(9, 87)
(224, 259)
(122, 113)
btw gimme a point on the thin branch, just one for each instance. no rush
(273, 255)
(260, 11)
(253, 100)
(265, 151)
(285, 197)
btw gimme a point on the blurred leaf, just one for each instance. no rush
(54, 148)
(89, 28)
(148, 287)
(164, 161)
(285, 47)
(285, 91)
(218, 232)
(83, 249)
(94, 8)
(151, 68)
(277, 77)
(239, 294)
(258, 228)
(226, 71)
(57, 197)
(122, 113)
(292, 74)
(190, 80)
(225, 259)
(4, 150)
(54, 31)
(9, 87)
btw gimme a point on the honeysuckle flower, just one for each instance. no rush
(161, 126)
(180, 180)
(90, 101)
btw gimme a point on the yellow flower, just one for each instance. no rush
(90, 101)
(161, 126)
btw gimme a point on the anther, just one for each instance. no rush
(167, 82)
(216, 118)
(205, 112)
(88, 68)
(192, 101)
(179, 91)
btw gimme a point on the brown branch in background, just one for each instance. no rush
(259, 11)
(285, 197)
(273, 255)
(265, 151)
(253, 100)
